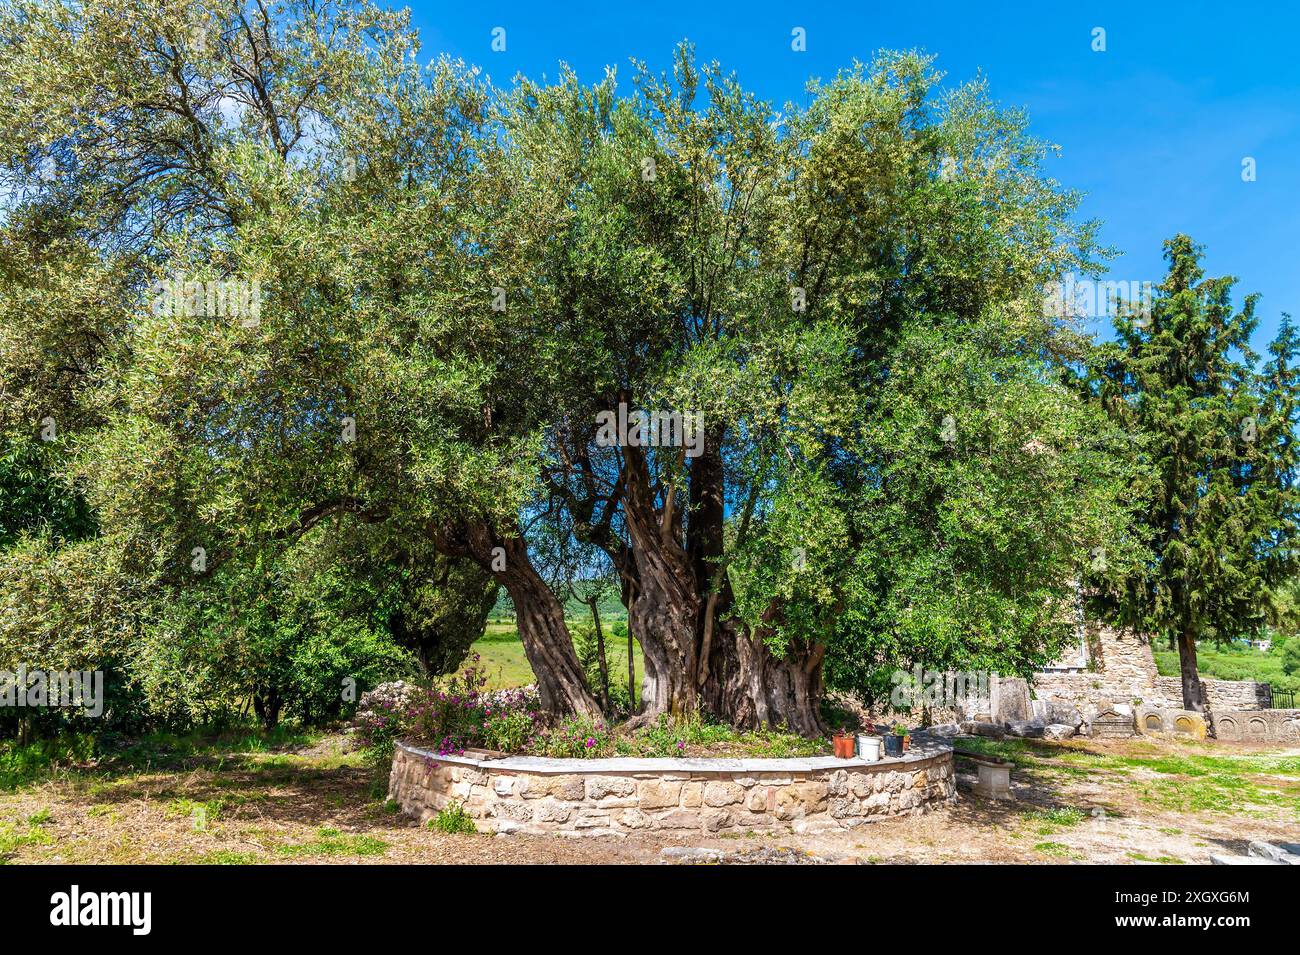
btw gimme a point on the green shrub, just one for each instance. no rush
(509, 730)
(20, 765)
(453, 819)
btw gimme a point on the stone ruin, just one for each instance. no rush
(1108, 687)
(1111, 678)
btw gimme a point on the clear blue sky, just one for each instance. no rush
(1154, 129)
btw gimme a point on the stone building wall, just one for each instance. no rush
(1123, 655)
(578, 797)
(1125, 672)
(1219, 694)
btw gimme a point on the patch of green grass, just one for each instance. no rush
(165, 750)
(1056, 850)
(227, 857)
(1163, 860)
(22, 765)
(1195, 777)
(453, 819)
(202, 814)
(40, 817)
(1049, 820)
(13, 838)
(1215, 793)
(332, 842)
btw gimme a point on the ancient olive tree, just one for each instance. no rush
(786, 370)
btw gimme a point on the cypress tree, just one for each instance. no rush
(1217, 433)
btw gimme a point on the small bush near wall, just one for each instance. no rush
(453, 819)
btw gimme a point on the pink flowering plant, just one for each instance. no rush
(451, 716)
(577, 737)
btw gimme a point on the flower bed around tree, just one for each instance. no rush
(459, 714)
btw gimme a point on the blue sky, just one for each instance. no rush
(1154, 129)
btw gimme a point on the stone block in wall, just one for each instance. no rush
(678, 819)
(877, 803)
(692, 795)
(550, 811)
(513, 811)
(728, 794)
(591, 819)
(716, 820)
(598, 787)
(863, 784)
(658, 793)
(843, 807)
(635, 819)
(801, 799)
(572, 788)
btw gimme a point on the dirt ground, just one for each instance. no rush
(1144, 802)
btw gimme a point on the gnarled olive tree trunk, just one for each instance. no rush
(538, 612)
(698, 657)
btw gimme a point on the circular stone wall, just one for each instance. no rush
(618, 796)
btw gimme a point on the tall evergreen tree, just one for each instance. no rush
(1218, 433)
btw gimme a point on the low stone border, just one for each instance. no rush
(578, 797)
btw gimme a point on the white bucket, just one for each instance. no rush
(869, 747)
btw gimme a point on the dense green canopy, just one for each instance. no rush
(448, 286)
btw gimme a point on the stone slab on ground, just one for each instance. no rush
(1058, 731)
(1286, 852)
(1242, 860)
(979, 728)
(946, 730)
(762, 855)
(1062, 712)
(1025, 729)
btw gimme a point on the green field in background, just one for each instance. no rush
(503, 657)
(1232, 663)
